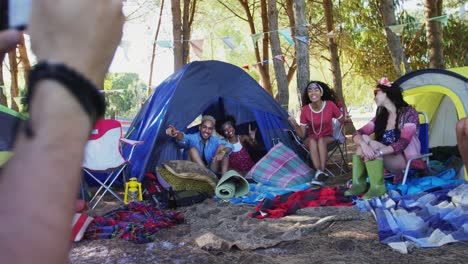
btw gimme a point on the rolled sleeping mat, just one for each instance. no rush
(231, 184)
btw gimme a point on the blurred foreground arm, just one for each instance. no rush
(40, 183)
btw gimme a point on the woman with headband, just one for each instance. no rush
(317, 113)
(396, 128)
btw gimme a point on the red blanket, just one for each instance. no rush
(289, 203)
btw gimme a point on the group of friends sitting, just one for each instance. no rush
(395, 128)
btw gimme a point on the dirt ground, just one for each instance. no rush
(218, 232)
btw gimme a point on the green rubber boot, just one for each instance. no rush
(376, 179)
(359, 177)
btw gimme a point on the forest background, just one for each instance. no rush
(282, 44)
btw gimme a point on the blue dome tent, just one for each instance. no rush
(203, 87)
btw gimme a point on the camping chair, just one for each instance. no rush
(338, 145)
(341, 162)
(103, 153)
(425, 154)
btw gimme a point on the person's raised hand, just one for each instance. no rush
(252, 132)
(172, 131)
(8, 40)
(81, 34)
(292, 121)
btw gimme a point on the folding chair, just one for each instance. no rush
(425, 154)
(341, 162)
(338, 145)
(103, 153)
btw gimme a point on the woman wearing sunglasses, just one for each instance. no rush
(395, 128)
(317, 113)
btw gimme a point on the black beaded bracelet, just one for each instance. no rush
(81, 88)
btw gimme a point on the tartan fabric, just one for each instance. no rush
(137, 222)
(289, 203)
(281, 167)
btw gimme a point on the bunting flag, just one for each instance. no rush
(281, 58)
(303, 39)
(229, 42)
(256, 37)
(165, 44)
(443, 20)
(197, 46)
(397, 29)
(286, 33)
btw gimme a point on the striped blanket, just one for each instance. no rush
(137, 222)
(429, 219)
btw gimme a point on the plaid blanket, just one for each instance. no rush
(289, 203)
(137, 222)
(281, 167)
(429, 219)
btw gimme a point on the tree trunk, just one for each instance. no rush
(302, 49)
(264, 75)
(333, 48)
(153, 53)
(266, 47)
(187, 19)
(292, 25)
(177, 34)
(433, 8)
(281, 79)
(3, 99)
(335, 59)
(14, 91)
(393, 41)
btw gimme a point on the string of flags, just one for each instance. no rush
(197, 44)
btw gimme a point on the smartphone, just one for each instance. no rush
(14, 13)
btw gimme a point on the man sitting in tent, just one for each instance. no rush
(204, 148)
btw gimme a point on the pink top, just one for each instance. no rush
(320, 123)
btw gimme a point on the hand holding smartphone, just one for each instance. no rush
(14, 13)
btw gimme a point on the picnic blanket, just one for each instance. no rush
(137, 222)
(429, 219)
(289, 203)
(281, 167)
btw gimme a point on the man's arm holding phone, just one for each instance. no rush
(40, 183)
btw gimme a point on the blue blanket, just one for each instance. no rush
(417, 185)
(427, 219)
(260, 191)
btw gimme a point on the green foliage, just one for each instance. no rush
(455, 43)
(124, 94)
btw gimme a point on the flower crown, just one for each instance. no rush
(384, 81)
